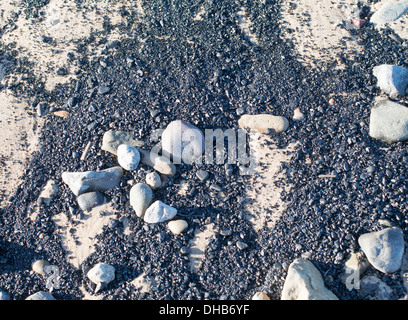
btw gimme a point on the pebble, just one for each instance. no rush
(140, 198)
(153, 180)
(202, 175)
(392, 79)
(264, 123)
(372, 288)
(4, 295)
(298, 115)
(159, 163)
(389, 12)
(83, 182)
(241, 245)
(128, 157)
(41, 295)
(177, 226)
(101, 273)
(304, 282)
(111, 140)
(42, 109)
(49, 191)
(103, 89)
(88, 201)
(39, 265)
(182, 142)
(389, 121)
(384, 249)
(159, 212)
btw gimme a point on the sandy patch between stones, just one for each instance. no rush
(198, 245)
(18, 140)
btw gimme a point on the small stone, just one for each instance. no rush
(49, 191)
(153, 180)
(184, 250)
(159, 212)
(372, 288)
(392, 79)
(226, 233)
(101, 273)
(177, 226)
(384, 249)
(42, 109)
(88, 201)
(39, 265)
(304, 282)
(159, 163)
(103, 89)
(41, 295)
(260, 296)
(241, 245)
(4, 295)
(264, 123)
(128, 157)
(332, 101)
(113, 139)
(215, 187)
(83, 182)
(202, 175)
(61, 113)
(389, 121)
(298, 115)
(141, 195)
(72, 102)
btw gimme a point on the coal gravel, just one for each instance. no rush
(207, 72)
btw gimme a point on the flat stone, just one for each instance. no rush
(392, 79)
(39, 265)
(384, 249)
(304, 282)
(83, 182)
(101, 273)
(88, 201)
(159, 212)
(202, 175)
(182, 142)
(372, 288)
(159, 163)
(389, 12)
(103, 89)
(140, 197)
(113, 139)
(41, 295)
(264, 123)
(128, 157)
(389, 121)
(177, 226)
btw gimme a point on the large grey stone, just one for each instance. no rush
(392, 80)
(182, 142)
(140, 197)
(304, 282)
(88, 201)
(389, 12)
(128, 157)
(373, 288)
(389, 121)
(113, 139)
(384, 249)
(159, 212)
(83, 182)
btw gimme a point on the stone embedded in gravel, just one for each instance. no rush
(83, 182)
(389, 12)
(298, 115)
(49, 191)
(182, 142)
(101, 273)
(159, 212)
(39, 265)
(372, 288)
(128, 157)
(103, 89)
(153, 180)
(241, 245)
(304, 282)
(384, 249)
(88, 201)
(392, 79)
(42, 109)
(140, 198)
(159, 163)
(41, 295)
(260, 296)
(4, 295)
(113, 139)
(389, 121)
(177, 226)
(202, 175)
(264, 123)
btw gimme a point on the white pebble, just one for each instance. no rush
(177, 226)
